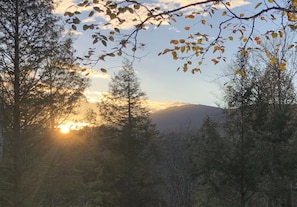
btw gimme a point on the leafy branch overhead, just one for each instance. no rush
(212, 27)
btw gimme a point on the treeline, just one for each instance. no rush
(248, 159)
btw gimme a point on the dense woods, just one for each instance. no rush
(248, 158)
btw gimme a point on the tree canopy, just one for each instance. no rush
(213, 26)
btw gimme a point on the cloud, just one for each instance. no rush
(172, 4)
(93, 96)
(154, 106)
(68, 5)
(71, 32)
(138, 16)
(95, 74)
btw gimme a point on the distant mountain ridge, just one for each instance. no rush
(185, 117)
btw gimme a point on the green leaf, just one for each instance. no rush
(112, 16)
(257, 5)
(76, 20)
(97, 9)
(185, 68)
(91, 13)
(136, 6)
(85, 27)
(111, 54)
(102, 57)
(104, 42)
(111, 38)
(73, 27)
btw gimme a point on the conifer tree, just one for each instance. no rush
(132, 142)
(39, 81)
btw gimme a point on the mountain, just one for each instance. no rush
(185, 117)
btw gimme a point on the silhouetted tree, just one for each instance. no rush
(130, 173)
(39, 82)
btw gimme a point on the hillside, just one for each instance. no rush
(185, 117)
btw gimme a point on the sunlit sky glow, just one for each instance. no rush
(159, 78)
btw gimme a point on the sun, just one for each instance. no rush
(64, 129)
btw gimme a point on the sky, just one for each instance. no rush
(160, 80)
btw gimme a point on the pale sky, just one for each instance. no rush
(158, 74)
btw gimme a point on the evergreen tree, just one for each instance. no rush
(39, 82)
(132, 142)
(251, 162)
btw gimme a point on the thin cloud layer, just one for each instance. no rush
(172, 4)
(153, 106)
(70, 5)
(95, 74)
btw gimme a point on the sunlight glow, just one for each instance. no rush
(64, 129)
(72, 126)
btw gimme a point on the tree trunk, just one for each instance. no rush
(16, 114)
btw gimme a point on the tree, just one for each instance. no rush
(244, 26)
(265, 97)
(180, 181)
(39, 82)
(130, 173)
(248, 161)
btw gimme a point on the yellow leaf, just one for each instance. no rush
(228, 4)
(182, 49)
(263, 18)
(280, 33)
(216, 48)
(294, 2)
(174, 55)
(268, 55)
(203, 21)
(230, 38)
(214, 61)
(244, 39)
(241, 15)
(282, 66)
(191, 16)
(224, 13)
(242, 73)
(274, 34)
(272, 61)
(292, 26)
(175, 42)
(291, 16)
(195, 70)
(182, 40)
(199, 41)
(200, 62)
(270, 1)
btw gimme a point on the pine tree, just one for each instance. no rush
(132, 142)
(39, 81)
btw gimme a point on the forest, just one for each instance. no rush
(246, 159)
